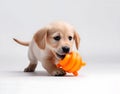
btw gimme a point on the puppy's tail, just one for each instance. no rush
(21, 42)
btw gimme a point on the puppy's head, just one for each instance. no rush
(58, 37)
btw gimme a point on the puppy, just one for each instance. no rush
(49, 45)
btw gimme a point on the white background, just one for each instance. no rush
(97, 22)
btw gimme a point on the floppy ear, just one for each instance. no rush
(77, 39)
(40, 38)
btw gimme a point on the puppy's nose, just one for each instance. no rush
(65, 49)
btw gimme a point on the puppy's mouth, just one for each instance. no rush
(60, 56)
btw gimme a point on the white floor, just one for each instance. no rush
(94, 78)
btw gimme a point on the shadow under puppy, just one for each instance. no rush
(49, 45)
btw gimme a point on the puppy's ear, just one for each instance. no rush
(77, 39)
(40, 38)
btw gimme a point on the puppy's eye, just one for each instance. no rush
(70, 37)
(57, 38)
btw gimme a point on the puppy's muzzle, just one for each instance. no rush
(62, 52)
(65, 49)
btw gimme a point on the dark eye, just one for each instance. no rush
(57, 38)
(70, 37)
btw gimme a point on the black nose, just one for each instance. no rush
(65, 49)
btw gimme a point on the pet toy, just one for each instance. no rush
(71, 63)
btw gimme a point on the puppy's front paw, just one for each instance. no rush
(58, 72)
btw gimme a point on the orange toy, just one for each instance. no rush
(71, 63)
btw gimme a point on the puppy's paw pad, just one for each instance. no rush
(59, 72)
(28, 70)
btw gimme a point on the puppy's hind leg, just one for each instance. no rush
(31, 67)
(33, 62)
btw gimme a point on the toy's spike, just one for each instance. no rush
(75, 73)
(58, 65)
(83, 63)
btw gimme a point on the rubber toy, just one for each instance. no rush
(71, 63)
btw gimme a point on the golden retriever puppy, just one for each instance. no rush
(49, 45)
